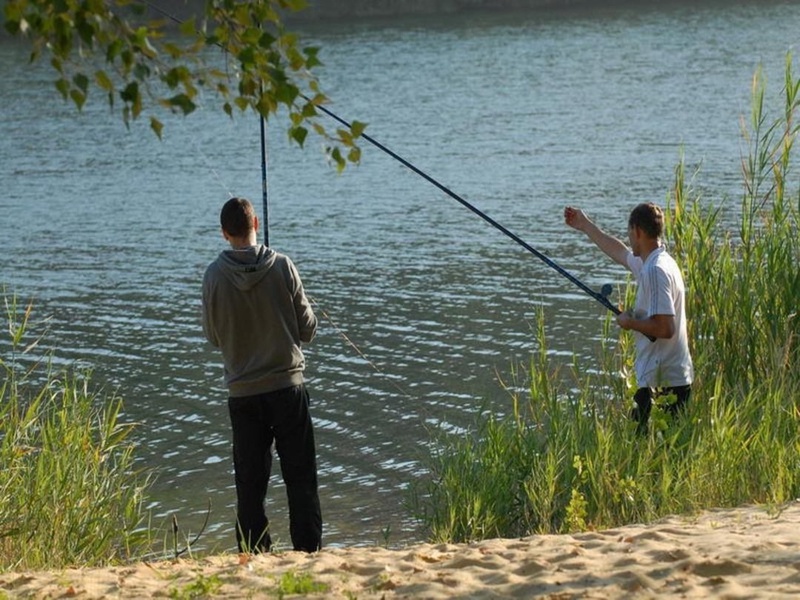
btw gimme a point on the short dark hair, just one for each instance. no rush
(238, 217)
(649, 218)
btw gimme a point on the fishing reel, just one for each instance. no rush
(606, 290)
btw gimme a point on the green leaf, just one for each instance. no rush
(266, 105)
(309, 110)
(176, 75)
(141, 71)
(173, 50)
(114, 50)
(130, 93)
(336, 156)
(266, 40)
(81, 81)
(354, 156)
(345, 137)
(311, 57)
(103, 81)
(183, 102)
(127, 58)
(142, 42)
(13, 27)
(296, 60)
(62, 85)
(188, 27)
(78, 97)
(286, 93)
(247, 57)
(157, 126)
(298, 134)
(357, 128)
(251, 36)
(248, 86)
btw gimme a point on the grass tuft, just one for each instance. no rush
(69, 492)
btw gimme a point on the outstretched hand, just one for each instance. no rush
(575, 218)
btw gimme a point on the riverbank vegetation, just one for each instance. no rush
(565, 457)
(69, 491)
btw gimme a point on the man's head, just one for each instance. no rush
(238, 219)
(645, 228)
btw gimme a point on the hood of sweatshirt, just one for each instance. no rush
(247, 266)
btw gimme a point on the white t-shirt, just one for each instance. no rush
(664, 362)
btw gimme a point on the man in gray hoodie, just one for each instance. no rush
(256, 312)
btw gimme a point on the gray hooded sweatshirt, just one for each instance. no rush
(256, 312)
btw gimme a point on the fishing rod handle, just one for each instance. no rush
(617, 311)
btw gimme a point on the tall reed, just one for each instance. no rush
(569, 458)
(69, 492)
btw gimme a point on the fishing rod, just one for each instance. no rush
(264, 187)
(601, 296)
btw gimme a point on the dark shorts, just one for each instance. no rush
(645, 397)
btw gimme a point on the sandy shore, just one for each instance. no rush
(747, 552)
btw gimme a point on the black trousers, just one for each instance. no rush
(282, 416)
(644, 398)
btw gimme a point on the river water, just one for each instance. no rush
(424, 307)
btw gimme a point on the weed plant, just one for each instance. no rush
(569, 459)
(69, 493)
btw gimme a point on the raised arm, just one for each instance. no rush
(613, 247)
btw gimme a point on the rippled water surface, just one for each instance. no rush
(423, 306)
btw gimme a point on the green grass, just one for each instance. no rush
(292, 584)
(568, 458)
(202, 587)
(69, 493)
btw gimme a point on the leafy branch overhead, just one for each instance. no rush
(143, 59)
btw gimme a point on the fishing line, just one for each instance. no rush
(352, 344)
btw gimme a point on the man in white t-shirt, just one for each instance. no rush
(663, 363)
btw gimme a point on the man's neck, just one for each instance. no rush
(649, 249)
(244, 242)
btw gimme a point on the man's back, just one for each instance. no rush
(665, 361)
(255, 310)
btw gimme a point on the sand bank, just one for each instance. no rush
(747, 552)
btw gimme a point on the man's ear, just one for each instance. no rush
(225, 234)
(255, 223)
